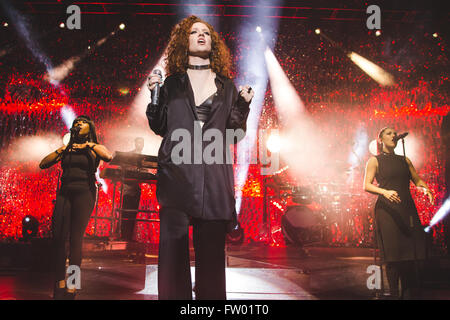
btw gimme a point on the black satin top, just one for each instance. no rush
(204, 109)
(202, 190)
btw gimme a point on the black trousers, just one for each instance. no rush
(71, 215)
(174, 275)
(129, 218)
(409, 273)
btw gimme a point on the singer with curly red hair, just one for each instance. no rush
(197, 96)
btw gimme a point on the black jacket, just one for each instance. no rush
(203, 190)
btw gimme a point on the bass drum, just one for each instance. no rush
(301, 225)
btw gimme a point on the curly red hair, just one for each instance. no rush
(178, 49)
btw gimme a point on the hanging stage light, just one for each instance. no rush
(274, 142)
(236, 236)
(30, 227)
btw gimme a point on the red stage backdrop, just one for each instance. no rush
(339, 97)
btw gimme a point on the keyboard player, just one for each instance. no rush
(131, 199)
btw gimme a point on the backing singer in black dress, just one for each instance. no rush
(400, 234)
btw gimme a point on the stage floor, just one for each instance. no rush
(254, 272)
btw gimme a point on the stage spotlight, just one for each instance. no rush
(122, 26)
(359, 148)
(254, 61)
(30, 227)
(440, 214)
(381, 76)
(258, 29)
(317, 31)
(435, 35)
(373, 147)
(68, 115)
(5, 24)
(274, 142)
(62, 25)
(378, 33)
(66, 139)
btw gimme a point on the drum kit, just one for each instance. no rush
(321, 212)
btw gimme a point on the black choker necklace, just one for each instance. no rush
(80, 140)
(203, 67)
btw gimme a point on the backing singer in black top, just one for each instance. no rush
(76, 196)
(198, 95)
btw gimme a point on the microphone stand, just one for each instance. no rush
(403, 144)
(416, 263)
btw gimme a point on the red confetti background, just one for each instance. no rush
(338, 96)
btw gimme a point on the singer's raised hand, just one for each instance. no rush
(246, 92)
(153, 80)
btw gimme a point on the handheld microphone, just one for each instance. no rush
(156, 89)
(75, 130)
(400, 136)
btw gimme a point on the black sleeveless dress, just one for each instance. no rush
(79, 169)
(401, 236)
